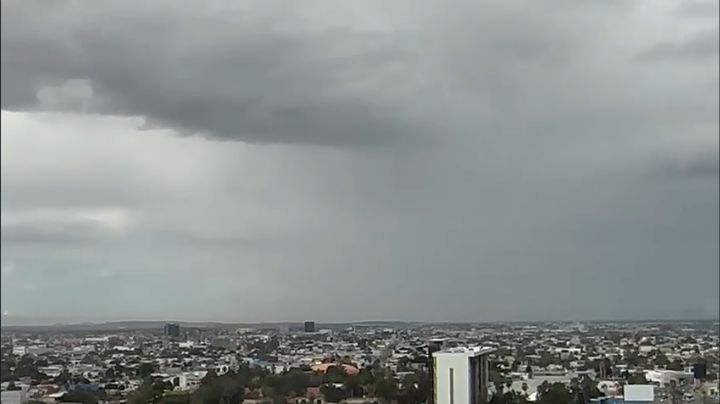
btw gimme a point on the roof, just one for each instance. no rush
(13, 396)
(471, 351)
(323, 367)
(639, 392)
(313, 392)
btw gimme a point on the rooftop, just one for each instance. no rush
(467, 351)
(639, 392)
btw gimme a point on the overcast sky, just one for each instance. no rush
(365, 160)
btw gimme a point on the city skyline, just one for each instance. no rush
(445, 161)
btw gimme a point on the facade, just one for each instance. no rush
(639, 394)
(14, 397)
(664, 378)
(309, 326)
(172, 330)
(434, 345)
(460, 376)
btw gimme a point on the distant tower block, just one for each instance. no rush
(309, 326)
(172, 330)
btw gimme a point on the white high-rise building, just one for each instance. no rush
(461, 376)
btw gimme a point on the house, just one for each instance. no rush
(663, 377)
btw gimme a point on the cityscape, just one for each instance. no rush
(404, 363)
(360, 201)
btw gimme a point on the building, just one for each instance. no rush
(639, 394)
(14, 397)
(323, 368)
(19, 350)
(309, 326)
(172, 330)
(663, 377)
(435, 345)
(699, 371)
(460, 376)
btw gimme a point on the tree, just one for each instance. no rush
(145, 394)
(225, 389)
(632, 358)
(176, 399)
(353, 387)
(110, 374)
(5, 373)
(296, 381)
(676, 364)
(333, 394)
(661, 360)
(385, 388)
(232, 393)
(79, 397)
(555, 393)
(63, 377)
(636, 378)
(334, 374)
(366, 377)
(26, 367)
(415, 388)
(145, 370)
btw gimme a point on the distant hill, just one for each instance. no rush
(158, 325)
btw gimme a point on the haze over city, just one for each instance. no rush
(345, 161)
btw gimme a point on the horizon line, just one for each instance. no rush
(4, 324)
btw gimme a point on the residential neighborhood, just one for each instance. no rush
(356, 363)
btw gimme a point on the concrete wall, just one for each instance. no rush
(460, 390)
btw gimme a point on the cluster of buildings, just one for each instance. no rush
(468, 363)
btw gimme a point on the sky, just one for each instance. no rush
(333, 161)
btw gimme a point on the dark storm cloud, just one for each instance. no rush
(557, 157)
(220, 73)
(701, 46)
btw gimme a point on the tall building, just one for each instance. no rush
(309, 326)
(434, 345)
(172, 330)
(460, 376)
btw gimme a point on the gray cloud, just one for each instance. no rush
(704, 165)
(704, 45)
(60, 227)
(221, 73)
(554, 160)
(699, 9)
(49, 233)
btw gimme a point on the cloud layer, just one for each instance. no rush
(272, 160)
